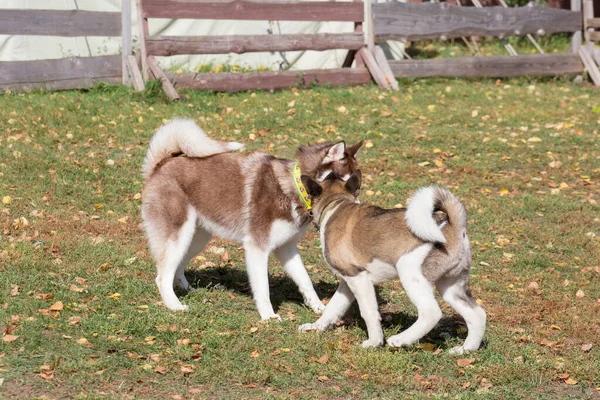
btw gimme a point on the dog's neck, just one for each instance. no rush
(327, 204)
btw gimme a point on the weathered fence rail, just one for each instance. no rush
(406, 21)
(412, 22)
(491, 66)
(66, 73)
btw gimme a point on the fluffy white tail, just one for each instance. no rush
(419, 213)
(182, 135)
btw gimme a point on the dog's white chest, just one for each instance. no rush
(282, 231)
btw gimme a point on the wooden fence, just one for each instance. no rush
(66, 73)
(411, 22)
(392, 20)
(152, 46)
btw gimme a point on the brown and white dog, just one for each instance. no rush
(366, 245)
(248, 198)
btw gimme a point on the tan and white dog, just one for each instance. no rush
(366, 245)
(248, 198)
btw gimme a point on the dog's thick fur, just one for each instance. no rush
(196, 188)
(425, 245)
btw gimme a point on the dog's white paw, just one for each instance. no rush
(272, 317)
(460, 350)
(317, 306)
(179, 307)
(311, 327)
(398, 341)
(372, 343)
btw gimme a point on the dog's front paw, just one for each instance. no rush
(398, 341)
(271, 317)
(372, 343)
(459, 350)
(311, 327)
(317, 306)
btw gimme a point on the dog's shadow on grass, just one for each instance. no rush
(282, 288)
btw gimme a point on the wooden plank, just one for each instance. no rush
(493, 66)
(353, 54)
(144, 34)
(69, 23)
(176, 45)
(270, 80)
(576, 39)
(373, 68)
(590, 65)
(369, 29)
(384, 67)
(255, 10)
(593, 23)
(350, 57)
(596, 56)
(66, 73)
(593, 36)
(126, 37)
(166, 83)
(405, 21)
(135, 74)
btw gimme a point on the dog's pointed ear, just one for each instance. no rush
(353, 183)
(312, 186)
(335, 152)
(353, 150)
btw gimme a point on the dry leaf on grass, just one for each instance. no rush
(587, 347)
(9, 338)
(323, 360)
(187, 369)
(465, 362)
(46, 372)
(16, 289)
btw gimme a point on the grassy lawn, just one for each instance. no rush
(81, 316)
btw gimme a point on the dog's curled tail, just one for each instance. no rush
(182, 136)
(419, 214)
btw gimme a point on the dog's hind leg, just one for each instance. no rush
(335, 310)
(364, 291)
(455, 291)
(175, 250)
(290, 258)
(420, 292)
(199, 241)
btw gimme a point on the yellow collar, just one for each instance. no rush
(300, 186)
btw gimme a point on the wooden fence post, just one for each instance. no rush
(144, 33)
(369, 31)
(126, 35)
(576, 38)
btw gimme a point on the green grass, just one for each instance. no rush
(71, 233)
